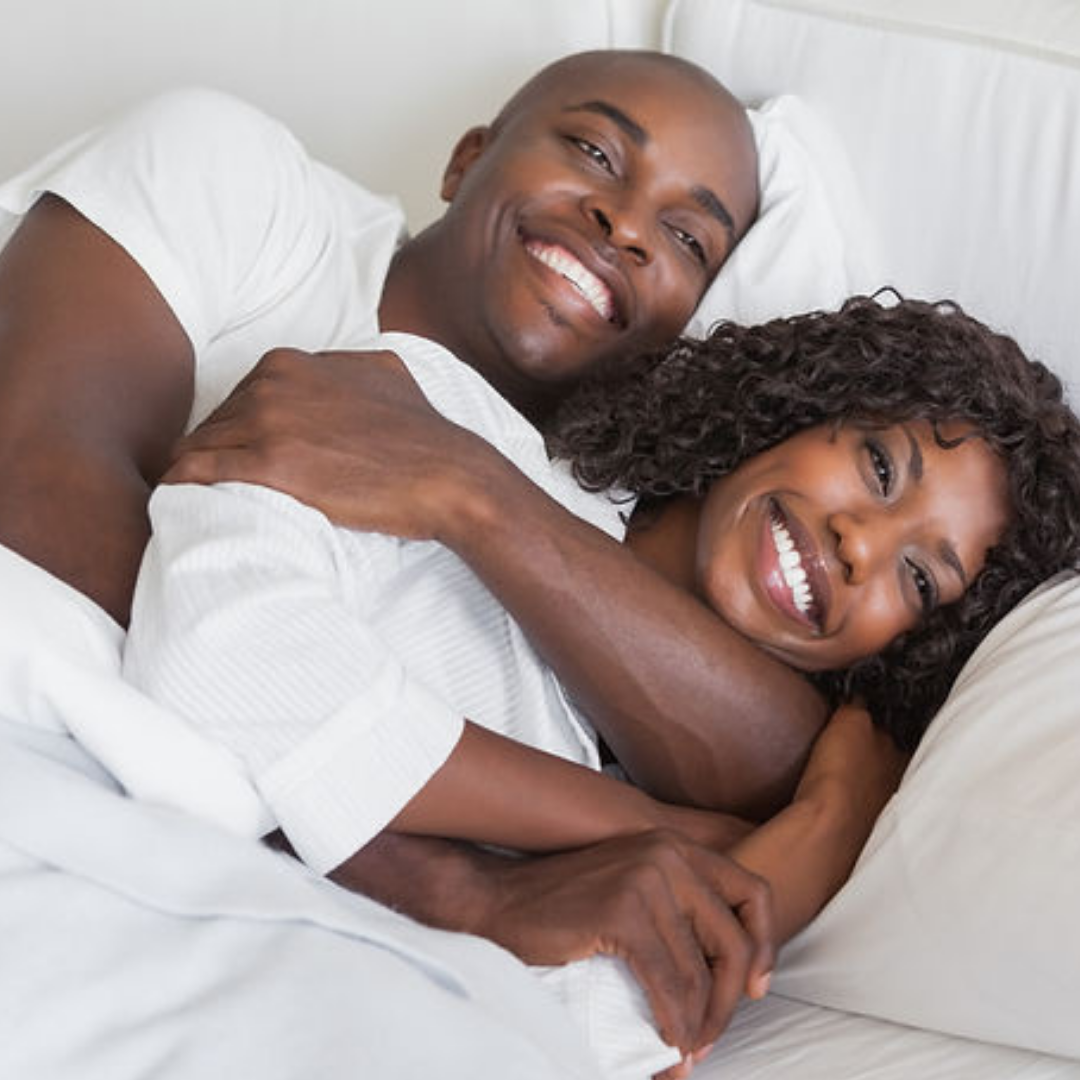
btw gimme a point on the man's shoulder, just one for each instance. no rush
(205, 113)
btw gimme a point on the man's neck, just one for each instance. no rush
(423, 295)
(410, 302)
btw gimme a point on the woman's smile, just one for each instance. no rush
(792, 573)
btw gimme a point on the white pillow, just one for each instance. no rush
(960, 123)
(961, 915)
(812, 245)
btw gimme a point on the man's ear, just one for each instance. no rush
(469, 148)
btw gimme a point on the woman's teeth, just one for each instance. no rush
(791, 567)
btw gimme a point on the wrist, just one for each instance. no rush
(469, 495)
(833, 815)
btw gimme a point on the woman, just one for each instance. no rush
(751, 456)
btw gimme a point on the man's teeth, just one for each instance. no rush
(581, 277)
(791, 567)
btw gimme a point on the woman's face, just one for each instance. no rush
(825, 548)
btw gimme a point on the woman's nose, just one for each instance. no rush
(863, 541)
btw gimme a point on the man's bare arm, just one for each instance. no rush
(95, 386)
(694, 712)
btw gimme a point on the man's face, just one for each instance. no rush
(590, 222)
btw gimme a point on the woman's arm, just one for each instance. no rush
(694, 712)
(807, 851)
(494, 790)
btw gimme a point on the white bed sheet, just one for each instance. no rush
(782, 1039)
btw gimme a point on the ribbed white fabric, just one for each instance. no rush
(339, 666)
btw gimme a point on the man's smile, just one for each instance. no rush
(600, 294)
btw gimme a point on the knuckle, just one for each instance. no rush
(649, 879)
(693, 983)
(763, 891)
(269, 459)
(278, 360)
(758, 892)
(736, 951)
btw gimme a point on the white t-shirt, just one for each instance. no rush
(251, 242)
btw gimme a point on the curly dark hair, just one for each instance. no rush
(670, 422)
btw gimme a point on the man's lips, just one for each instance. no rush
(597, 292)
(794, 578)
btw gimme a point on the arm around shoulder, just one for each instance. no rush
(693, 711)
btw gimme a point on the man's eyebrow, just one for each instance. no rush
(711, 203)
(631, 128)
(945, 549)
(705, 197)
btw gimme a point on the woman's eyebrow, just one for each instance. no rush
(915, 463)
(946, 551)
(631, 128)
(952, 560)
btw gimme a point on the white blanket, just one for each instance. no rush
(117, 891)
(140, 942)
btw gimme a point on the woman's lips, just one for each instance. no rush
(789, 573)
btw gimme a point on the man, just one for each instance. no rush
(584, 223)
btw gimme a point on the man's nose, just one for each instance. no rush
(623, 226)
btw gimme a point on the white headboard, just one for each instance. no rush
(378, 88)
(962, 124)
(961, 118)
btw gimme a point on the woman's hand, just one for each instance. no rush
(853, 769)
(349, 433)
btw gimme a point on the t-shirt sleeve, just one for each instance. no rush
(246, 623)
(217, 202)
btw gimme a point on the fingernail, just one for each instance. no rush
(759, 987)
(699, 1056)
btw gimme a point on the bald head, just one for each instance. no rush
(668, 79)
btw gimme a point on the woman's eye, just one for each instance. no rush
(925, 585)
(593, 151)
(881, 465)
(691, 243)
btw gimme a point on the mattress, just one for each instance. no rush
(782, 1038)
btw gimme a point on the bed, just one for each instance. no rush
(932, 146)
